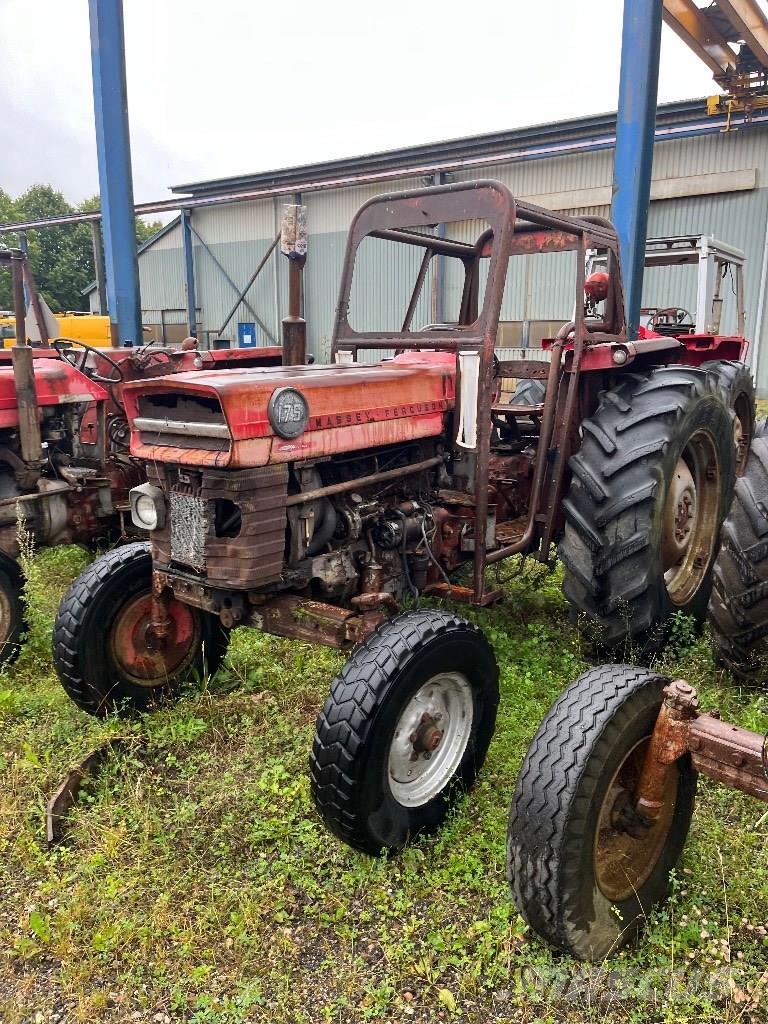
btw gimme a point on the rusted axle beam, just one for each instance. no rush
(718, 749)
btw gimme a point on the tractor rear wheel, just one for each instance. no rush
(103, 651)
(11, 609)
(738, 608)
(738, 390)
(405, 730)
(584, 869)
(650, 487)
(529, 391)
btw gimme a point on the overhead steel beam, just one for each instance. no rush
(635, 128)
(750, 23)
(113, 150)
(697, 32)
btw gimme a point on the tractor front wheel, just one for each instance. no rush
(11, 609)
(584, 868)
(405, 730)
(104, 651)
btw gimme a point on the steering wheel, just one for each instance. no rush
(63, 346)
(672, 316)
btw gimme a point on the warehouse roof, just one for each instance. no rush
(596, 131)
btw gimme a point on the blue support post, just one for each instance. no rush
(113, 149)
(189, 273)
(635, 127)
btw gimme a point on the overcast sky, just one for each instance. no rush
(232, 86)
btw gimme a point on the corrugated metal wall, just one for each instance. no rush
(539, 288)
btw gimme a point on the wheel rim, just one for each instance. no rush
(690, 519)
(142, 659)
(742, 432)
(626, 850)
(430, 739)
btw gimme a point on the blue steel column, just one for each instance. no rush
(635, 126)
(113, 149)
(189, 273)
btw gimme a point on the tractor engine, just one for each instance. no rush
(68, 492)
(297, 500)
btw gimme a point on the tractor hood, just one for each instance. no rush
(57, 382)
(253, 417)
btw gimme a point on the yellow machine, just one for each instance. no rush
(91, 328)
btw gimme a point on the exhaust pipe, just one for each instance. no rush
(22, 358)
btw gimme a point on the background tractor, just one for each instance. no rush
(64, 461)
(318, 502)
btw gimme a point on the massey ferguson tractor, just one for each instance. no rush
(321, 502)
(65, 468)
(606, 793)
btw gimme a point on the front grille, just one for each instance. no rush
(189, 526)
(182, 421)
(227, 525)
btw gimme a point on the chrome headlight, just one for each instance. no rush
(147, 507)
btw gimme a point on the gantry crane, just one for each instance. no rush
(731, 38)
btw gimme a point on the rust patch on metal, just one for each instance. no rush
(66, 793)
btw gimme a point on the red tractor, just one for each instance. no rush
(319, 502)
(64, 461)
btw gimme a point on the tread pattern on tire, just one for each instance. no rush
(347, 716)
(738, 608)
(70, 615)
(539, 849)
(735, 379)
(529, 391)
(614, 483)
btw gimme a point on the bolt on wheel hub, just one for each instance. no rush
(430, 738)
(690, 518)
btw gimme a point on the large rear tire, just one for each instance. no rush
(102, 651)
(738, 390)
(405, 730)
(529, 391)
(650, 488)
(578, 876)
(738, 608)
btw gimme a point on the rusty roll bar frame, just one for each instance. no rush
(515, 228)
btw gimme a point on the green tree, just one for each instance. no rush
(61, 256)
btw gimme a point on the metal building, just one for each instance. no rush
(706, 180)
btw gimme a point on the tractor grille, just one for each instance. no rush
(228, 526)
(189, 526)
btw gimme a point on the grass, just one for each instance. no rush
(198, 885)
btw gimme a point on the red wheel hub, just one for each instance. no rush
(144, 657)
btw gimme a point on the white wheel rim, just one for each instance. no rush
(430, 739)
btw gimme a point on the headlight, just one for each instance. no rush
(147, 507)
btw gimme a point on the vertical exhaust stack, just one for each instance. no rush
(23, 370)
(293, 244)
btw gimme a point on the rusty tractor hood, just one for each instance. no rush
(57, 383)
(221, 417)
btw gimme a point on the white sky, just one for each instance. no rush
(226, 87)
